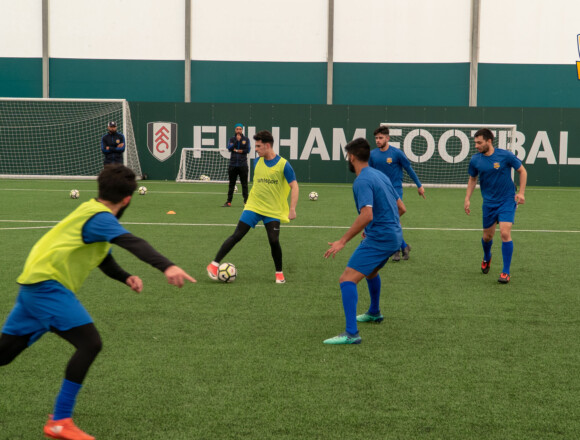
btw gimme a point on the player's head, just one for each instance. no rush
(382, 137)
(357, 150)
(239, 128)
(112, 126)
(263, 142)
(116, 182)
(483, 140)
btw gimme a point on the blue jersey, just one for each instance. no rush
(372, 188)
(289, 173)
(391, 162)
(495, 177)
(103, 226)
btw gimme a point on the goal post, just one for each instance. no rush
(203, 165)
(440, 153)
(61, 138)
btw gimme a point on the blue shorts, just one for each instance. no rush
(42, 306)
(369, 256)
(252, 218)
(504, 212)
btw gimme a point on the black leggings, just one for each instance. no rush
(85, 339)
(273, 231)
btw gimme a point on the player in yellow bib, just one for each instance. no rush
(274, 180)
(55, 269)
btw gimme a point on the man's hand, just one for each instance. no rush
(335, 248)
(520, 199)
(292, 214)
(176, 275)
(421, 191)
(466, 206)
(135, 283)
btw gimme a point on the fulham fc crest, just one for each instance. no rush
(162, 139)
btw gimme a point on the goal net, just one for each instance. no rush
(60, 138)
(440, 153)
(204, 165)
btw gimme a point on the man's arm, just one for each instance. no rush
(363, 219)
(104, 148)
(520, 198)
(111, 268)
(293, 199)
(121, 147)
(401, 207)
(470, 187)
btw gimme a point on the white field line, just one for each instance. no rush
(232, 225)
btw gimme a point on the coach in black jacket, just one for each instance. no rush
(113, 145)
(239, 146)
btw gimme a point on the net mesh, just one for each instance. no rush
(198, 163)
(440, 153)
(60, 138)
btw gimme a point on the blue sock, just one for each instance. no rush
(349, 300)
(375, 292)
(486, 249)
(507, 250)
(403, 244)
(65, 401)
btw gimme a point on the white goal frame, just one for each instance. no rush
(400, 132)
(216, 167)
(30, 136)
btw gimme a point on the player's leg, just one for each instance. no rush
(373, 314)
(489, 226)
(232, 176)
(11, 346)
(506, 218)
(241, 230)
(244, 182)
(273, 230)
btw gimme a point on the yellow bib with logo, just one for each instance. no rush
(61, 255)
(269, 194)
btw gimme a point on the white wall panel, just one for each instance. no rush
(21, 28)
(117, 29)
(259, 30)
(397, 31)
(529, 31)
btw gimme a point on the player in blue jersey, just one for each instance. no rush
(493, 166)
(54, 271)
(392, 161)
(379, 207)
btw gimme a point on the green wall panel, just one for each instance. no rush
(528, 85)
(133, 80)
(401, 84)
(311, 136)
(21, 77)
(258, 82)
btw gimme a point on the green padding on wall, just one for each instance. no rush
(401, 84)
(133, 80)
(528, 85)
(258, 82)
(21, 77)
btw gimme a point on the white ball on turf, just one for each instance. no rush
(227, 272)
(313, 196)
(204, 178)
(74, 194)
(142, 190)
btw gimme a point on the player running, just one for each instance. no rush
(379, 208)
(54, 271)
(493, 166)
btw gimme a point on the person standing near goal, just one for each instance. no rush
(379, 207)
(239, 146)
(392, 161)
(54, 271)
(493, 166)
(112, 145)
(274, 179)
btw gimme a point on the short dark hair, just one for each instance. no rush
(359, 148)
(382, 129)
(264, 136)
(116, 182)
(485, 133)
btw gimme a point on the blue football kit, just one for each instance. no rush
(392, 162)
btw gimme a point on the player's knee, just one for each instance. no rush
(93, 346)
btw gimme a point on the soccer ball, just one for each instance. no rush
(227, 272)
(204, 178)
(74, 194)
(142, 190)
(235, 188)
(313, 196)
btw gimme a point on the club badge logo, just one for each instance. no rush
(162, 139)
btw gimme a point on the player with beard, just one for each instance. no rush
(54, 271)
(493, 166)
(379, 208)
